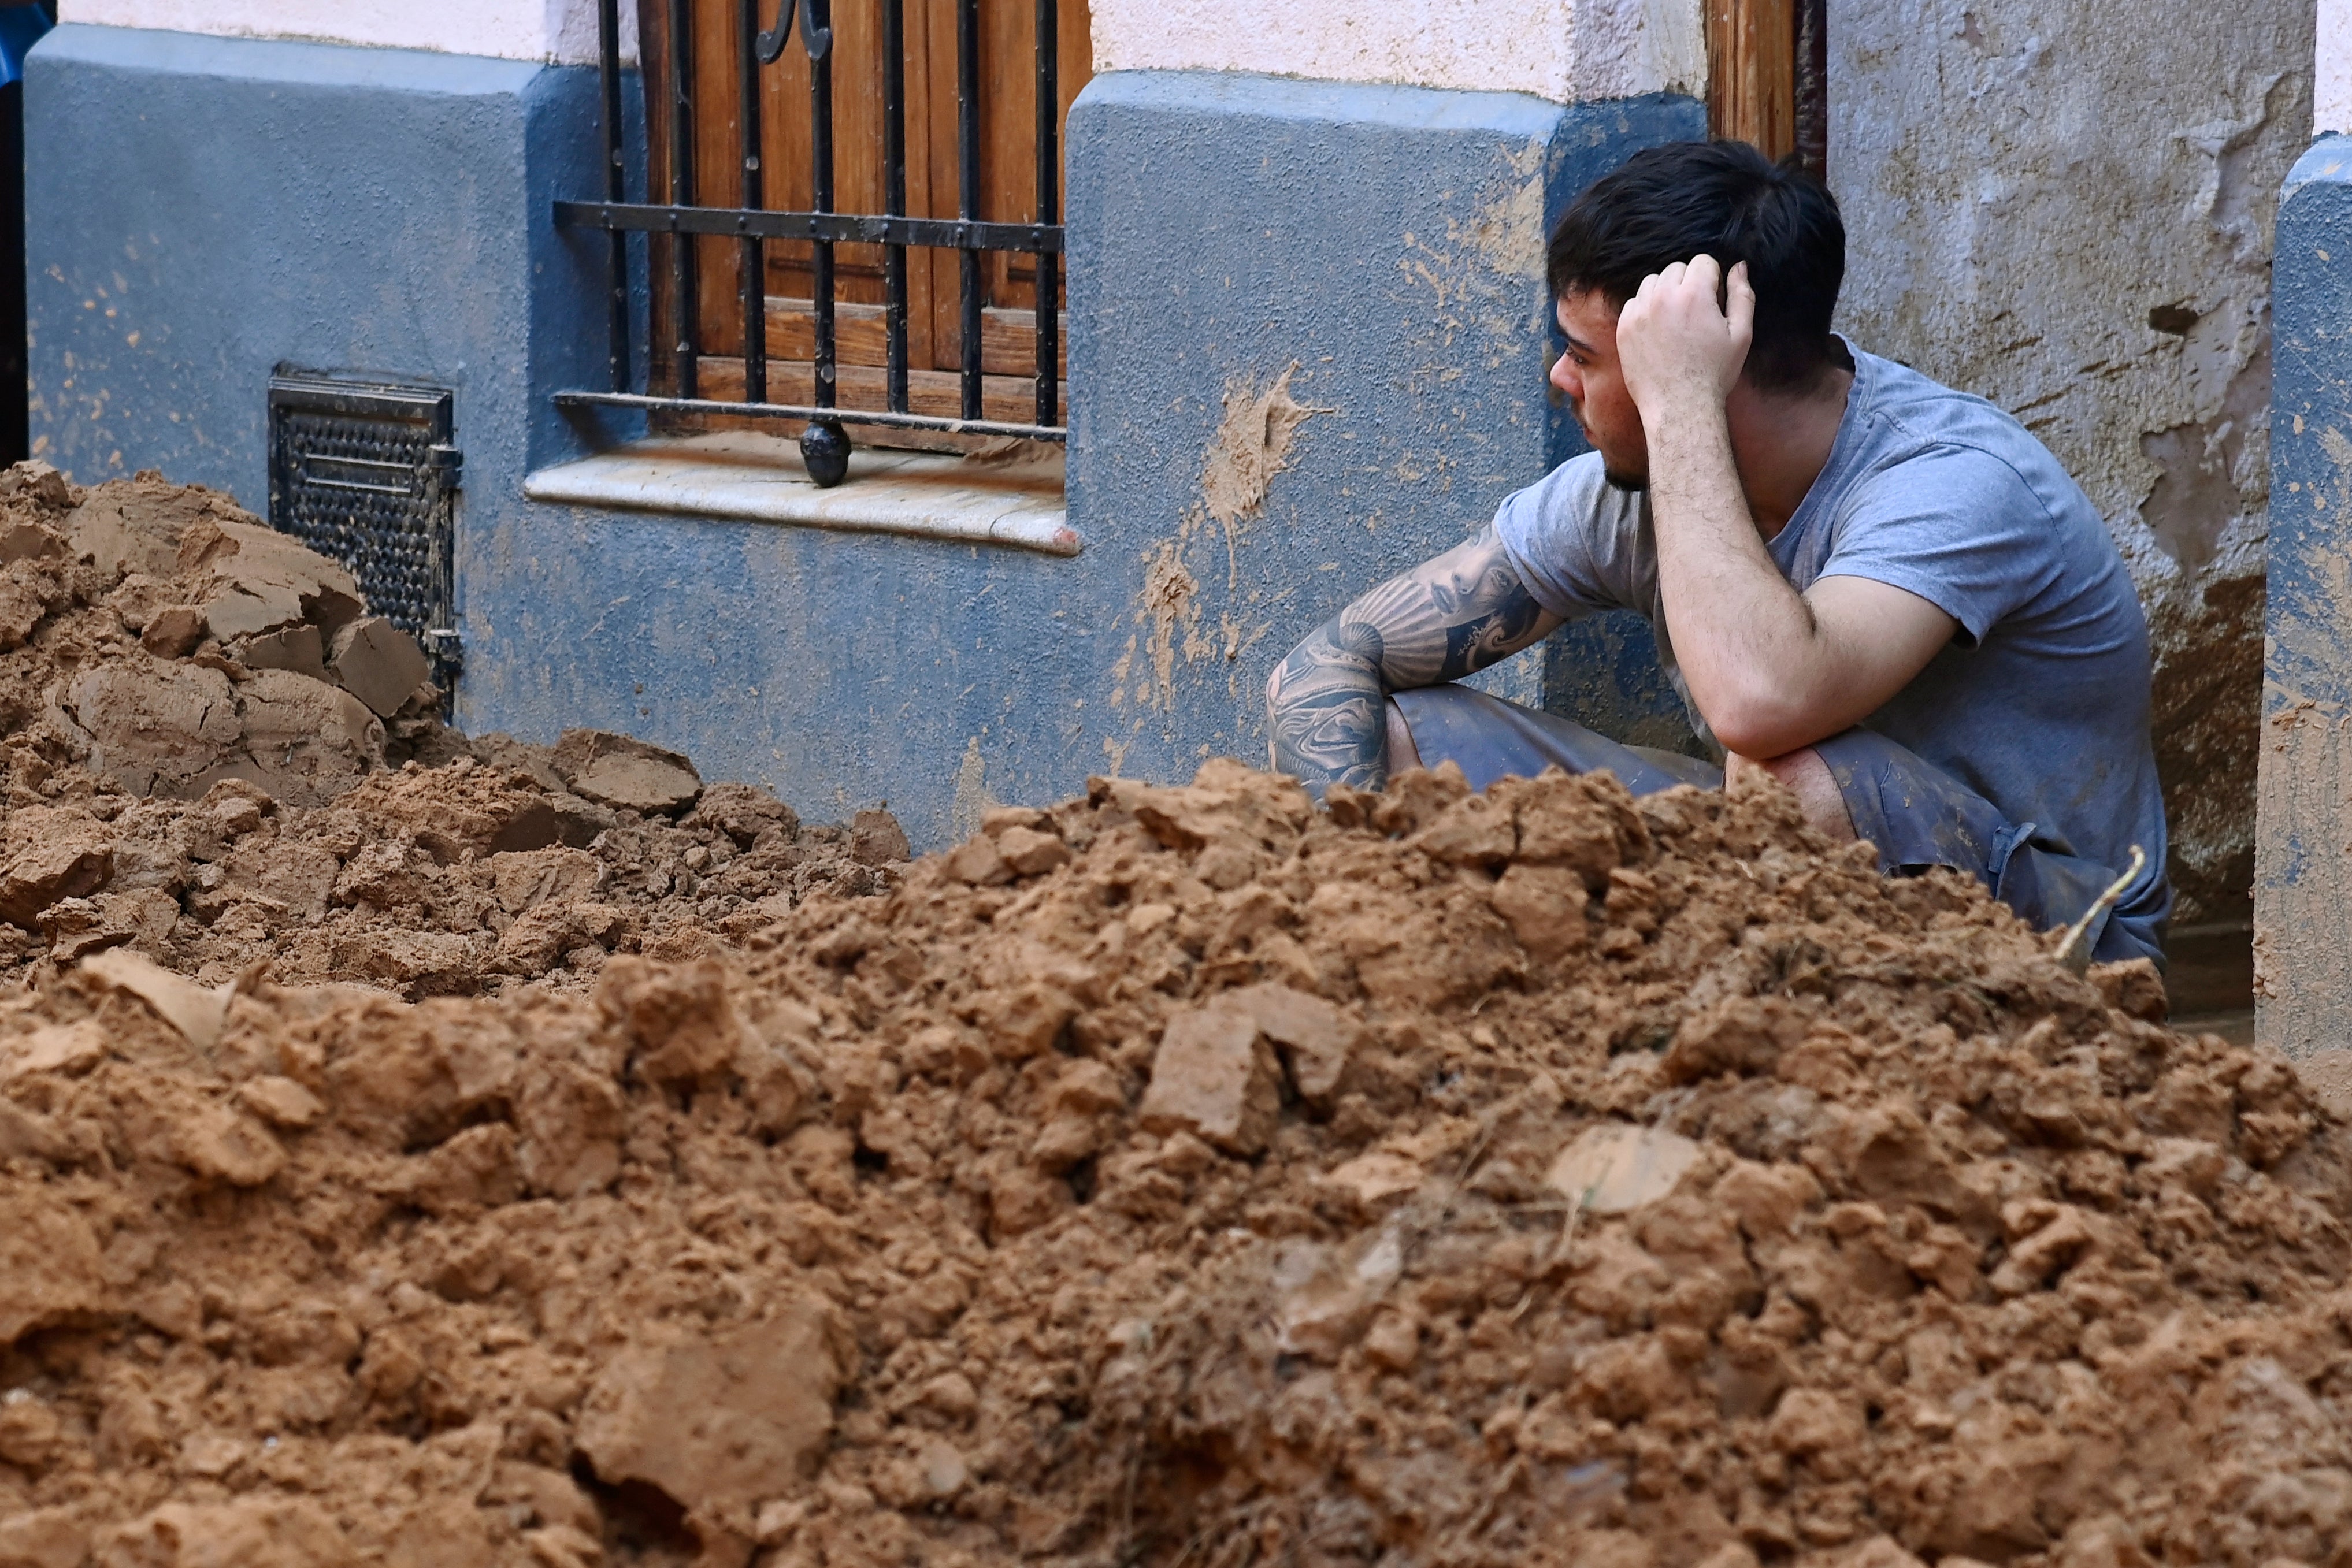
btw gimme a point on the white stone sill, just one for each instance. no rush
(759, 479)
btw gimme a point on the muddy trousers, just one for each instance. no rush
(1913, 813)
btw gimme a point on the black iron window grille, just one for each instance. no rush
(825, 444)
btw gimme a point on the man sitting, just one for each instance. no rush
(1885, 593)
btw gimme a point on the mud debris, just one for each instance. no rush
(214, 756)
(1177, 1176)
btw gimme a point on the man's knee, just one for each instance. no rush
(1806, 776)
(1402, 752)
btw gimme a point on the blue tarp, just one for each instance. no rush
(19, 26)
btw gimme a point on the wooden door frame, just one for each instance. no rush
(1768, 78)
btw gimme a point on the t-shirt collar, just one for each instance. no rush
(1832, 478)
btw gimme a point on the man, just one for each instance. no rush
(1885, 593)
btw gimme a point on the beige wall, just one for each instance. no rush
(2331, 96)
(1565, 51)
(563, 30)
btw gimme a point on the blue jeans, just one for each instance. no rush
(1913, 813)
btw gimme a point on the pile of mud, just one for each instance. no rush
(212, 754)
(1187, 1176)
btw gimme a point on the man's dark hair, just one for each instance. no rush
(1726, 200)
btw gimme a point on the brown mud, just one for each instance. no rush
(1180, 1176)
(191, 770)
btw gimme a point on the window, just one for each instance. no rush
(883, 227)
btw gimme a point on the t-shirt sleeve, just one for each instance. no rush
(1955, 525)
(1565, 536)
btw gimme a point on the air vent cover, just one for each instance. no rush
(366, 473)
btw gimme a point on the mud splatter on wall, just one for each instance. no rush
(1253, 443)
(2067, 208)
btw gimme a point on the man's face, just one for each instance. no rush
(1588, 376)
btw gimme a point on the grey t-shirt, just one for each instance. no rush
(2039, 702)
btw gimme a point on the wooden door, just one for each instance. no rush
(1767, 79)
(1007, 63)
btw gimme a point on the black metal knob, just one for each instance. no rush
(824, 452)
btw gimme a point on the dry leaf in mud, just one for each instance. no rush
(1617, 1169)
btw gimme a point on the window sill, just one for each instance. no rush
(759, 478)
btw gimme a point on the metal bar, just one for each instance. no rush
(681, 189)
(1049, 172)
(968, 189)
(840, 228)
(753, 261)
(821, 179)
(803, 412)
(894, 196)
(608, 64)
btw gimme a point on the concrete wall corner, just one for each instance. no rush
(2303, 877)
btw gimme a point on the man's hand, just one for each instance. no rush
(1680, 349)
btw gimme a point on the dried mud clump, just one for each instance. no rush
(1184, 1175)
(213, 755)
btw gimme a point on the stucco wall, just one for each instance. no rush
(2331, 91)
(1563, 50)
(2068, 210)
(558, 30)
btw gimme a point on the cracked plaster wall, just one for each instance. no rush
(2067, 208)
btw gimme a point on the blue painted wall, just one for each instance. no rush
(207, 209)
(2303, 876)
(210, 209)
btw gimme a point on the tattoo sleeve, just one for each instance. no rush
(1460, 613)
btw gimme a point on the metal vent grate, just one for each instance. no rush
(366, 473)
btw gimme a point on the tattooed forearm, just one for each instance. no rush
(1325, 706)
(1455, 614)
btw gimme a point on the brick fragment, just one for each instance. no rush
(624, 773)
(27, 541)
(73, 863)
(976, 861)
(1321, 1036)
(1030, 853)
(297, 648)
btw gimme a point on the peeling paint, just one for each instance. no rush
(1508, 228)
(2211, 470)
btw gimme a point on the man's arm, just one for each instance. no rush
(1461, 611)
(1772, 670)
